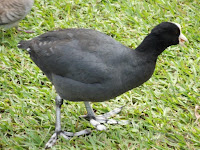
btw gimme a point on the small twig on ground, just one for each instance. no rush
(197, 115)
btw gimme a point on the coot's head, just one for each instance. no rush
(169, 33)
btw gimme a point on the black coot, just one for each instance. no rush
(87, 65)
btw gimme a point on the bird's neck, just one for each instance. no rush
(152, 46)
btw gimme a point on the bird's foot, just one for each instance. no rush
(98, 120)
(65, 135)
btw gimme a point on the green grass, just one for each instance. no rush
(161, 110)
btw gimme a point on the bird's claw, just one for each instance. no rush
(97, 120)
(65, 135)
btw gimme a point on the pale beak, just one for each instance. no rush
(182, 39)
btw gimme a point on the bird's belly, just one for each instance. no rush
(77, 91)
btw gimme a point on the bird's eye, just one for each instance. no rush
(177, 32)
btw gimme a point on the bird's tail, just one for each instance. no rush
(24, 45)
